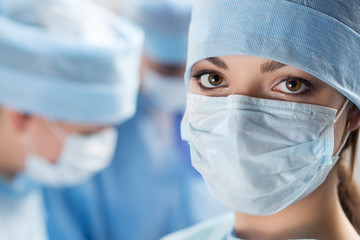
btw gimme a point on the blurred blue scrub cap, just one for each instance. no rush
(318, 36)
(68, 60)
(166, 24)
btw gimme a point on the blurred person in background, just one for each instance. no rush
(65, 81)
(150, 188)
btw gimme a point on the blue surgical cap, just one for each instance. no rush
(68, 60)
(321, 37)
(166, 24)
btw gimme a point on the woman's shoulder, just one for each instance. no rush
(213, 229)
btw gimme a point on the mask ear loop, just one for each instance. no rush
(346, 136)
(28, 144)
(58, 131)
(341, 110)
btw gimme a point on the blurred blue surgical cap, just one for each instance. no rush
(166, 24)
(68, 60)
(320, 37)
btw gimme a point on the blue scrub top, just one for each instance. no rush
(149, 190)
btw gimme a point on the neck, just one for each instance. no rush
(317, 216)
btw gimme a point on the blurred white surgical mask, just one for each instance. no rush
(81, 157)
(164, 92)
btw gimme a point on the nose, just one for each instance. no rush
(249, 84)
(246, 76)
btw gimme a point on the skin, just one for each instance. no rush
(15, 127)
(319, 215)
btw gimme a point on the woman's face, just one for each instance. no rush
(263, 78)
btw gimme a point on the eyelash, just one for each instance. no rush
(199, 74)
(307, 83)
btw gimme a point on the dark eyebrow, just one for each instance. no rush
(217, 62)
(271, 66)
(268, 66)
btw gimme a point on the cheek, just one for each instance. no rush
(194, 88)
(12, 147)
(328, 96)
(46, 143)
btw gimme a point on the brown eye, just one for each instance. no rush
(293, 85)
(212, 80)
(215, 79)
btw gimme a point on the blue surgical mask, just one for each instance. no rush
(260, 156)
